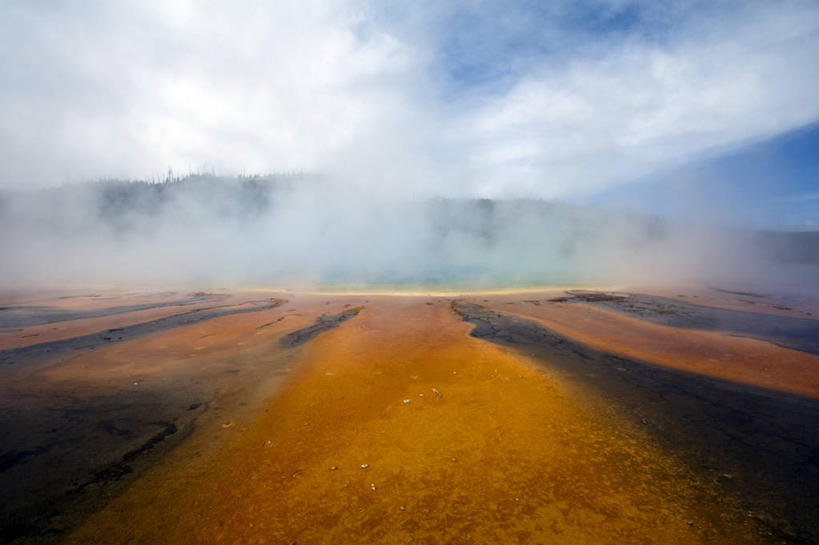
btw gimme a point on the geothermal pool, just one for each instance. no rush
(534, 416)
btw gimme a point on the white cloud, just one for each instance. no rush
(564, 130)
(191, 85)
(128, 89)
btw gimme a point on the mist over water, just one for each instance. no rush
(448, 140)
(312, 231)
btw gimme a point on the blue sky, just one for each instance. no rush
(772, 184)
(482, 42)
(654, 106)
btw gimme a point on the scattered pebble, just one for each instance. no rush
(403, 508)
(420, 395)
(333, 468)
(437, 393)
(372, 487)
(406, 401)
(365, 466)
(454, 372)
(691, 523)
(454, 459)
(227, 424)
(268, 443)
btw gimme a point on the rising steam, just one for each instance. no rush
(301, 230)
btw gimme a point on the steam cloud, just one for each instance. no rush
(447, 140)
(309, 230)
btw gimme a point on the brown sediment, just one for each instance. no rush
(84, 299)
(79, 318)
(399, 427)
(323, 323)
(76, 430)
(91, 341)
(716, 354)
(502, 445)
(32, 315)
(796, 332)
(759, 445)
(765, 303)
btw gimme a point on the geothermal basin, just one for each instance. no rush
(628, 415)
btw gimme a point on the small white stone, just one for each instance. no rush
(372, 487)
(365, 466)
(406, 401)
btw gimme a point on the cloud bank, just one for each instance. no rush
(460, 99)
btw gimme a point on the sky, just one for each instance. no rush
(769, 185)
(600, 102)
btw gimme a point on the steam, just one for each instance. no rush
(300, 231)
(442, 154)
